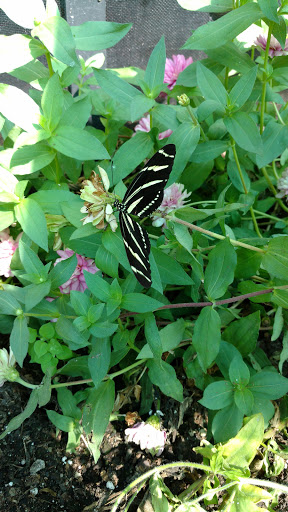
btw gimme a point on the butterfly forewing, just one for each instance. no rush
(137, 246)
(145, 193)
(144, 196)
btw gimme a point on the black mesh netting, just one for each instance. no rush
(151, 19)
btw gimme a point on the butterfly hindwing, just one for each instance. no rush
(146, 191)
(137, 246)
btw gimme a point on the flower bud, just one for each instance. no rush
(183, 100)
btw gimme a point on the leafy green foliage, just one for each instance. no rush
(219, 262)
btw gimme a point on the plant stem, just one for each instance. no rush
(236, 243)
(58, 170)
(48, 58)
(26, 384)
(196, 122)
(244, 186)
(147, 475)
(263, 96)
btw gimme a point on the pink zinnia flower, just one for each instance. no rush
(174, 198)
(7, 248)
(77, 280)
(173, 68)
(275, 48)
(147, 437)
(144, 126)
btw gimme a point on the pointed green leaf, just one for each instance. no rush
(154, 74)
(98, 35)
(52, 102)
(210, 85)
(56, 35)
(220, 269)
(32, 220)
(207, 336)
(76, 143)
(19, 339)
(99, 359)
(163, 375)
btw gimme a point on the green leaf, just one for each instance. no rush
(186, 138)
(98, 35)
(31, 262)
(274, 140)
(244, 131)
(52, 102)
(139, 303)
(170, 337)
(98, 286)
(18, 107)
(106, 262)
(241, 91)
(29, 159)
(50, 200)
(169, 269)
(210, 85)
(243, 333)
(9, 304)
(130, 155)
(76, 143)
(275, 260)
(207, 336)
(57, 36)
(32, 220)
(76, 367)
(80, 302)
(231, 56)
(103, 329)
(35, 293)
(65, 423)
(209, 150)
(241, 450)
(77, 114)
(269, 9)
(280, 297)
(226, 423)
(152, 336)
(67, 402)
(233, 174)
(163, 375)
(62, 271)
(123, 92)
(239, 373)
(278, 324)
(251, 287)
(99, 359)
(96, 414)
(220, 269)
(268, 384)
(16, 51)
(248, 262)
(154, 74)
(218, 395)
(279, 30)
(223, 30)
(19, 338)
(17, 421)
(66, 330)
(244, 400)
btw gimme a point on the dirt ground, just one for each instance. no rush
(38, 475)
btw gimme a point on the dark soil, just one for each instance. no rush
(73, 482)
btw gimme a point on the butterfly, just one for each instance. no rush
(143, 197)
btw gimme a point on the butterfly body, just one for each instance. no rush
(143, 197)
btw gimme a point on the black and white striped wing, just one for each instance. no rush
(145, 193)
(137, 246)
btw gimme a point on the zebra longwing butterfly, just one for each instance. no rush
(143, 197)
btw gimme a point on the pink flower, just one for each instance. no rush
(174, 198)
(147, 437)
(173, 68)
(7, 248)
(275, 48)
(77, 280)
(144, 126)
